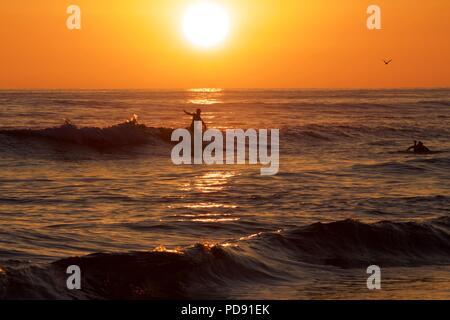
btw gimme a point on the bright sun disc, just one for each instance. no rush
(206, 24)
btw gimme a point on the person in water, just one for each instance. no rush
(196, 116)
(418, 147)
(413, 147)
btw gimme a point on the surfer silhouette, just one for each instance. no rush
(68, 123)
(421, 148)
(196, 116)
(413, 147)
(418, 147)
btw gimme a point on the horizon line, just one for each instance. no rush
(227, 88)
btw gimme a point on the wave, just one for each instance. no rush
(131, 133)
(389, 167)
(445, 103)
(339, 132)
(414, 166)
(120, 135)
(156, 274)
(204, 271)
(350, 243)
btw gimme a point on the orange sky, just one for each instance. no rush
(272, 44)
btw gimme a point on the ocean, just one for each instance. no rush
(106, 197)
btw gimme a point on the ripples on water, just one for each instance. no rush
(66, 193)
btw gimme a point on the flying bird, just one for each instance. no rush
(387, 62)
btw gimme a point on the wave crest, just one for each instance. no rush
(197, 271)
(350, 243)
(120, 135)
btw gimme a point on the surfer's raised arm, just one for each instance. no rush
(412, 147)
(196, 116)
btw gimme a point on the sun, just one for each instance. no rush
(206, 24)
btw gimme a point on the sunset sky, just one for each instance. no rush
(271, 44)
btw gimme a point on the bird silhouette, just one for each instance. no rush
(387, 62)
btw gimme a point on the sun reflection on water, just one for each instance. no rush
(210, 205)
(164, 249)
(205, 90)
(205, 96)
(204, 101)
(209, 182)
(211, 220)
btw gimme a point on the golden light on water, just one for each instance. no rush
(205, 96)
(210, 205)
(204, 101)
(164, 249)
(210, 220)
(209, 182)
(205, 90)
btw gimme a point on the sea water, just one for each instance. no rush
(346, 196)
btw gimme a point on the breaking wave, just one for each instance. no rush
(198, 271)
(121, 135)
(131, 133)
